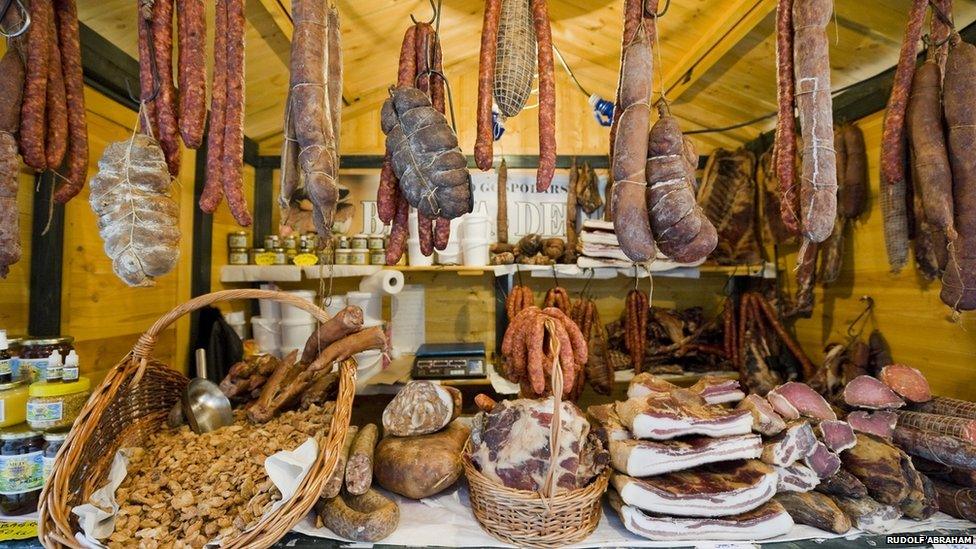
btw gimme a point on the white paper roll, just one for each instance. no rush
(387, 281)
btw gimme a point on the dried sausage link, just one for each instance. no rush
(66, 15)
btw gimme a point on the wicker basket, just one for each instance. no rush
(531, 519)
(134, 400)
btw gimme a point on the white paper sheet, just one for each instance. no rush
(408, 317)
(446, 520)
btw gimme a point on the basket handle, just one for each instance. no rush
(147, 341)
(556, 424)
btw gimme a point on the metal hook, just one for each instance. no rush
(589, 278)
(862, 316)
(435, 9)
(927, 40)
(156, 81)
(555, 279)
(518, 274)
(24, 14)
(667, 4)
(942, 16)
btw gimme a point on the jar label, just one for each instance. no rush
(3, 411)
(267, 258)
(44, 411)
(21, 473)
(47, 465)
(33, 369)
(6, 368)
(305, 259)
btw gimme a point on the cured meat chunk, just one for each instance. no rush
(842, 484)
(951, 451)
(869, 392)
(948, 407)
(881, 423)
(765, 420)
(791, 445)
(955, 501)
(804, 399)
(642, 458)
(823, 461)
(420, 408)
(814, 509)
(605, 423)
(645, 384)
(796, 478)
(960, 427)
(663, 417)
(782, 406)
(908, 382)
(878, 465)
(767, 521)
(938, 471)
(714, 490)
(837, 435)
(718, 390)
(869, 515)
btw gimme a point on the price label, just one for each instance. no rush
(18, 530)
(266, 258)
(305, 260)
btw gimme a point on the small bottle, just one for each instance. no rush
(53, 372)
(70, 371)
(6, 368)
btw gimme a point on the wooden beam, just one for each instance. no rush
(47, 249)
(277, 11)
(724, 32)
(274, 23)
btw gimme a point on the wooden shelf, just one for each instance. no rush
(294, 273)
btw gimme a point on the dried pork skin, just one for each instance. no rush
(836, 434)
(880, 423)
(714, 490)
(823, 461)
(790, 446)
(641, 458)
(665, 416)
(605, 423)
(796, 478)
(804, 399)
(767, 521)
(765, 420)
(511, 445)
(871, 393)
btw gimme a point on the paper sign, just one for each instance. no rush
(18, 530)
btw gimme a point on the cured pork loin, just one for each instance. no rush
(767, 521)
(842, 484)
(881, 423)
(803, 399)
(908, 382)
(641, 458)
(680, 413)
(814, 509)
(765, 420)
(868, 392)
(713, 389)
(715, 490)
(823, 461)
(796, 478)
(790, 446)
(837, 435)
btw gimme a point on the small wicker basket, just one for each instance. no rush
(531, 519)
(133, 402)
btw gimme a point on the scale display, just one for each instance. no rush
(449, 361)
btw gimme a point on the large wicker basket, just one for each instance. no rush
(133, 402)
(530, 519)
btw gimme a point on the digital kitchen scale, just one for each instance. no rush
(449, 361)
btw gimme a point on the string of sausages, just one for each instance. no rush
(483, 148)
(530, 355)
(636, 307)
(519, 299)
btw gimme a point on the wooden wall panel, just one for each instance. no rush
(103, 314)
(223, 224)
(907, 310)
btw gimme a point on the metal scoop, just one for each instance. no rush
(204, 407)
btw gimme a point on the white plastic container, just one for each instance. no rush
(415, 257)
(475, 252)
(451, 254)
(269, 309)
(295, 333)
(334, 305)
(474, 227)
(237, 322)
(266, 334)
(291, 313)
(370, 303)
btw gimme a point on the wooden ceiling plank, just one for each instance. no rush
(724, 32)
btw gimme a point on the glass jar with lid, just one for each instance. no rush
(360, 242)
(237, 239)
(52, 443)
(55, 406)
(13, 403)
(21, 470)
(271, 242)
(343, 256)
(35, 352)
(289, 242)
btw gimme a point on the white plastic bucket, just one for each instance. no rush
(370, 303)
(237, 322)
(290, 313)
(474, 227)
(294, 334)
(269, 309)
(335, 304)
(415, 257)
(475, 252)
(451, 254)
(266, 334)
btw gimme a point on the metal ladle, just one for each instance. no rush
(203, 405)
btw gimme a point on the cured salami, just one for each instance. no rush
(76, 172)
(191, 25)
